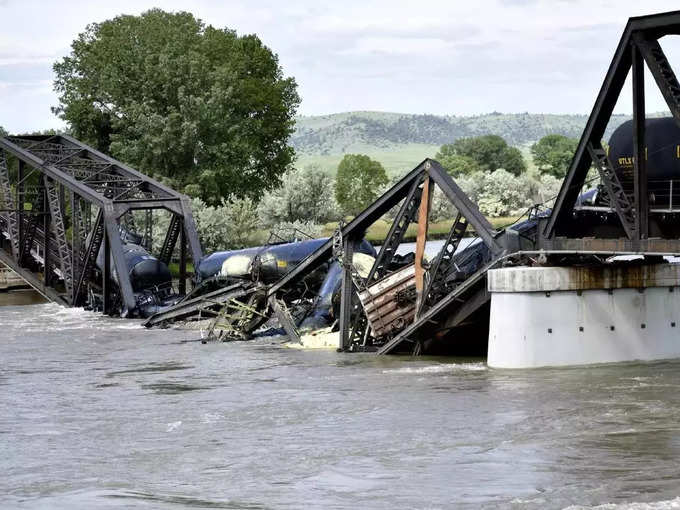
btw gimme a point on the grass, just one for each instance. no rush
(397, 160)
(174, 268)
(437, 230)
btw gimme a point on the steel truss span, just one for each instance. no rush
(638, 48)
(66, 214)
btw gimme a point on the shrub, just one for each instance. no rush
(502, 193)
(231, 225)
(305, 195)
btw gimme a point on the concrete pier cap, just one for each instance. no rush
(561, 316)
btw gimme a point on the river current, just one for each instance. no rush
(101, 413)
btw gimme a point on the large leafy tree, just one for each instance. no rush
(552, 154)
(2, 132)
(490, 152)
(454, 163)
(205, 109)
(359, 182)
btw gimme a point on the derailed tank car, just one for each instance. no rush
(268, 264)
(233, 284)
(150, 278)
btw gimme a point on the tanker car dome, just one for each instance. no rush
(662, 148)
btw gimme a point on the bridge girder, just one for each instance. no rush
(68, 184)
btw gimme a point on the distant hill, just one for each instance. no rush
(400, 140)
(340, 132)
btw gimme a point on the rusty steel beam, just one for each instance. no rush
(421, 240)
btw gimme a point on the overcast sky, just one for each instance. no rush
(432, 56)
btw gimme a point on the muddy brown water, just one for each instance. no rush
(101, 413)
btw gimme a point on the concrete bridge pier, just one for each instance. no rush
(559, 316)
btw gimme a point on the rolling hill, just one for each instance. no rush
(400, 141)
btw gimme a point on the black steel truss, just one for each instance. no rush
(67, 184)
(354, 331)
(639, 45)
(10, 212)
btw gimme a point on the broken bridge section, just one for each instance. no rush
(64, 204)
(394, 307)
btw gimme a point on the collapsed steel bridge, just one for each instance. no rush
(413, 301)
(63, 204)
(378, 313)
(414, 307)
(425, 306)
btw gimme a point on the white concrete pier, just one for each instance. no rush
(9, 279)
(557, 316)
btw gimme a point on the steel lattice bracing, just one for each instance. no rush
(443, 264)
(59, 231)
(615, 192)
(9, 213)
(63, 201)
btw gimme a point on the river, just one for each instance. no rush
(101, 413)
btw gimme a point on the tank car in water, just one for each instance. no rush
(151, 279)
(268, 264)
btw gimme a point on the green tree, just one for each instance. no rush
(456, 164)
(3, 132)
(552, 154)
(490, 152)
(197, 105)
(358, 182)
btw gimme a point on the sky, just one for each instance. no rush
(447, 57)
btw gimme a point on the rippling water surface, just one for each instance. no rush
(100, 413)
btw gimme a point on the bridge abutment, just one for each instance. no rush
(560, 316)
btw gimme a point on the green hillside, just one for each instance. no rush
(400, 141)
